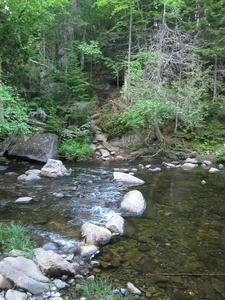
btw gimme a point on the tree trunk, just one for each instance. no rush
(159, 134)
(215, 89)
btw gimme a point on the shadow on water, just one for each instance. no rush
(175, 250)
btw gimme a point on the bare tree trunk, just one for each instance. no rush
(215, 89)
(127, 74)
(158, 133)
(1, 102)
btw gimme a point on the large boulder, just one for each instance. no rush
(24, 273)
(38, 146)
(94, 234)
(133, 203)
(127, 178)
(53, 168)
(52, 263)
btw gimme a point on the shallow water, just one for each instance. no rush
(175, 250)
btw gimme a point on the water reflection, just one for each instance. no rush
(175, 250)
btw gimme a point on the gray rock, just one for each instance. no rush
(32, 177)
(88, 251)
(5, 284)
(213, 170)
(131, 288)
(53, 168)
(15, 295)
(38, 146)
(33, 171)
(51, 263)
(94, 234)
(133, 202)
(23, 200)
(116, 224)
(22, 177)
(191, 160)
(25, 274)
(60, 284)
(188, 166)
(127, 178)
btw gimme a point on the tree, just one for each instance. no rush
(13, 112)
(167, 82)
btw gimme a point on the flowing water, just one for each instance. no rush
(175, 250)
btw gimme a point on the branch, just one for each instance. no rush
(38, 63)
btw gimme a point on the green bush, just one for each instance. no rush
(112, 123)
(73, 150)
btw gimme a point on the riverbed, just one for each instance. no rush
(175, 250)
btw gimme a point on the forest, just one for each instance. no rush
(166, 59)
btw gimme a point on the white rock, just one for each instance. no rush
(116, 224)
(23, 200)
(133, 289)
(213, 170)
(53, 168)
(191, 160)
(133, 202)
(88, 251)
(127, 178)
(94, 234)
(188, 166)
(15, 295)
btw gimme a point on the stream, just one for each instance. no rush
(174, 251)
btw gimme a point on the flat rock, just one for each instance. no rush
(38, 146)
(25, 274)
(23, 200)
(15, 295)
(189, 166)
(127, 178)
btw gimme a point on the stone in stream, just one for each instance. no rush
(133, 202)
(52, 263)
(127, 178)
(116, 224)
(53, 168)
(94, 234)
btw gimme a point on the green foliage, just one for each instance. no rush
(112, 123)
(12, 112)
(14, 237)
(102, 288)
(79, 148)
(220, 156)
(208, 136)
(73, 150)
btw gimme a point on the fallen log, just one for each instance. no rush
(69, 132)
